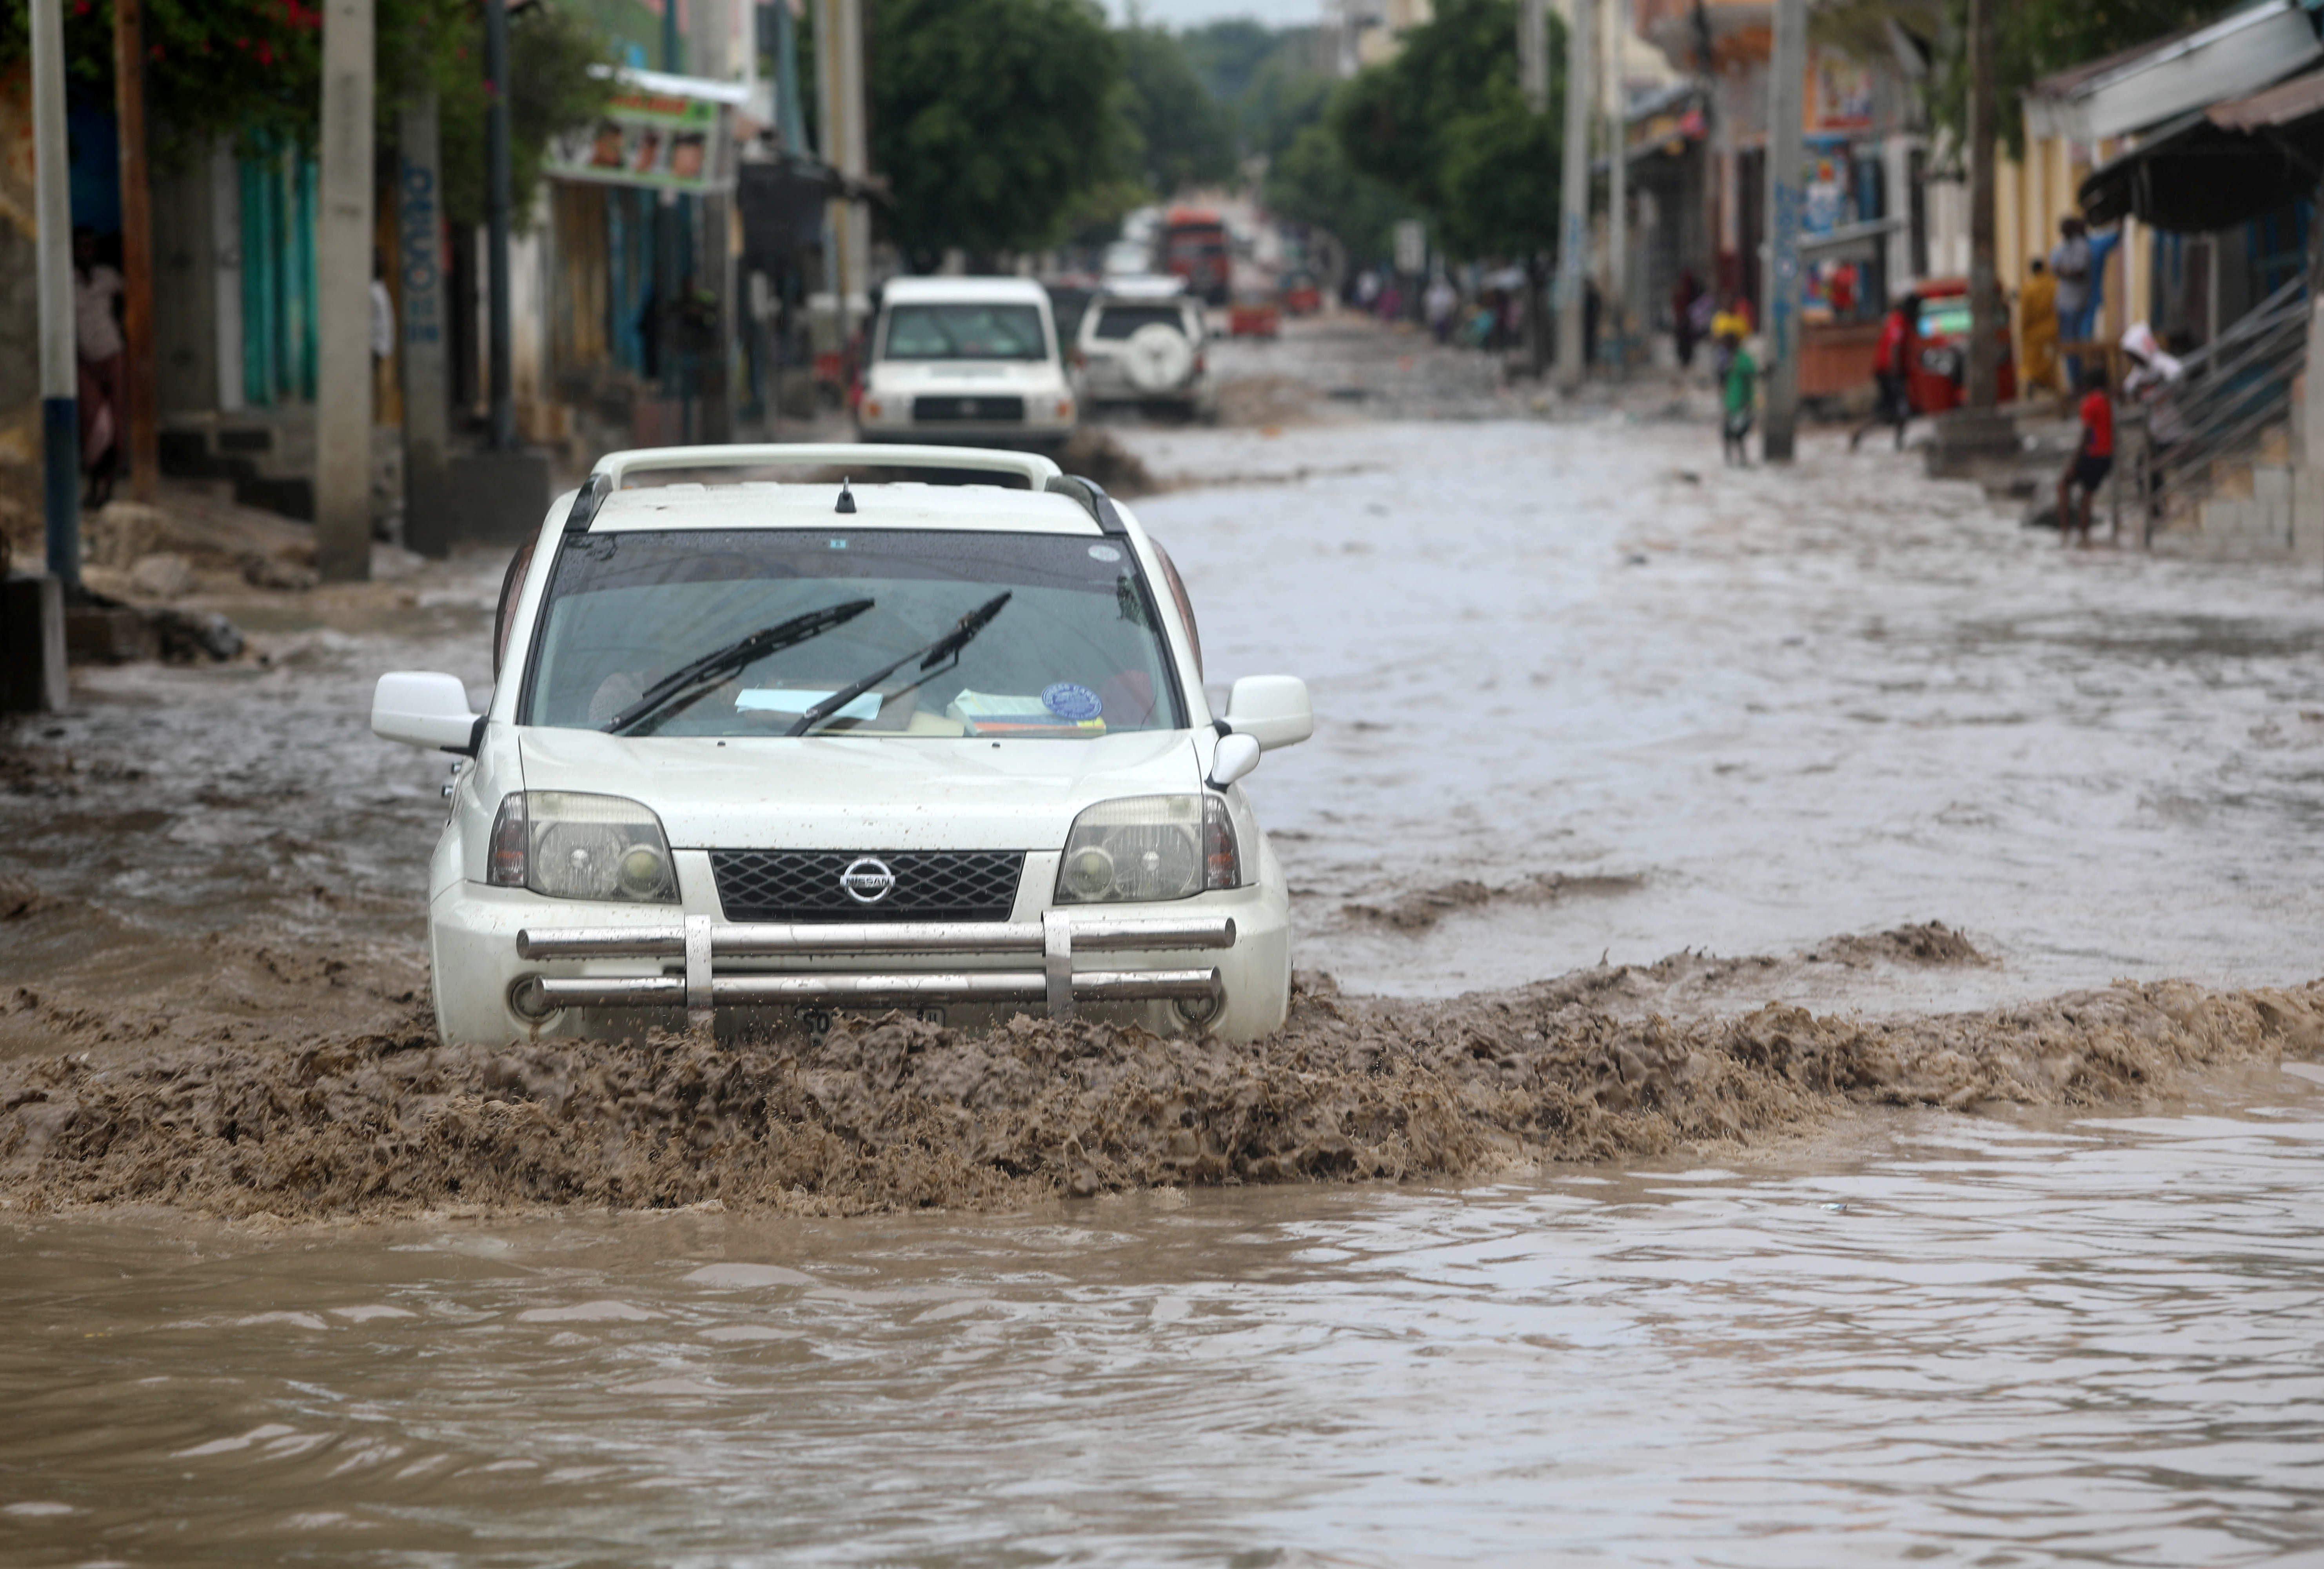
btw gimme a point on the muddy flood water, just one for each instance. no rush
(1806, 1051)
(1991, 1340)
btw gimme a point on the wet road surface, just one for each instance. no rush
(1757, 709)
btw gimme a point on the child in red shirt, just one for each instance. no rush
(2093, 461)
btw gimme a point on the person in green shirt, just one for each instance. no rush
(1739, 400)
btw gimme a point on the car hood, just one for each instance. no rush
(968, 377)
(861, 793)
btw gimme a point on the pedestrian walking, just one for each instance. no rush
(1729, 328)
(1891, 370)
(101, 351)
(1684, 330)
(2093, 460)
(2037, 327)
(1439, 302)
(1739, 398)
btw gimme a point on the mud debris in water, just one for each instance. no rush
(1931, 944)
(894, 1112)
(1418, 911)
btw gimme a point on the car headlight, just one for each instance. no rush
(579, 846)
(1143, 848)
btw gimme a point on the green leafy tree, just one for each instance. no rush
(246, 68)
(252, 71)
(2033, 38)
(989, 117)
(1181, 137)
(1445, 126)
(1312, 182)
(1227, 55)
(1285, 95)
(551, 90)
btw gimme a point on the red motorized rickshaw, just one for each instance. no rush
(1936, 356)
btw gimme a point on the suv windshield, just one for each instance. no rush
(1075, 653)
(1115, 322)
(964, 332)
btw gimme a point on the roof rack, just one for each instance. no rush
(1039, 473)
(1031, 467)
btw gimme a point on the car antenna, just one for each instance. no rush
(847, 497)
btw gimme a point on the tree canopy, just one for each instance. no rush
(2032, 40)
(1445, 126)
(990, 117)
(1311, 181)
(1181, 135)
(251, 71)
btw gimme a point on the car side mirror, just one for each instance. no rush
(1272, 710)
(422, 708)
(1235, 756)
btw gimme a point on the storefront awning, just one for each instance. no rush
(2228, 163)
(2232, 58)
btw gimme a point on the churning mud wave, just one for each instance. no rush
(895, 1113)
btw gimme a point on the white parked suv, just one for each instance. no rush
(966, 359)
(1145, 341)
(758, 752)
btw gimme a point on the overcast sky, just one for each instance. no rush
(1180, 13)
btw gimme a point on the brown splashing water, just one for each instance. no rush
(896, 1113)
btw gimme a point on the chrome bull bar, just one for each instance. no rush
(702, 942)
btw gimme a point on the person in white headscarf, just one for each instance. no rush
(2152, 384)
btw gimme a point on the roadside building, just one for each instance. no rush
(1884, 208)
(2195, 160)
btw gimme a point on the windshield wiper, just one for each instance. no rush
(684, 685)
(943, 648)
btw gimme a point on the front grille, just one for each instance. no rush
(995, 408)
(804, 885)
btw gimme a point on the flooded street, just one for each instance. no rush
(1750, 711)
(1993, 1340)
(1642, 1178)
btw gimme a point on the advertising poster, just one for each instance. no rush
(660, 139)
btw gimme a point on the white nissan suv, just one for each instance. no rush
(762, 750)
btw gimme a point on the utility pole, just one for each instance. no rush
(1787, 70)
(143, 438)
(669, 213)
(498, 201)
(419, 264)
(60, 356)
(839, 44)
(1984, 321)
(1533, 77)
(343, 246)
(1573, 191)
(1618, 189)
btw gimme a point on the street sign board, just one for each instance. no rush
(1411, 245)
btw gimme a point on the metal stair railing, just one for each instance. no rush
(2233, 389)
